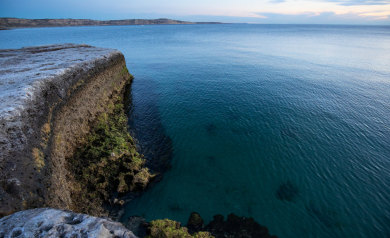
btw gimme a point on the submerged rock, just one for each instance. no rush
(50, 222)
(287, 191)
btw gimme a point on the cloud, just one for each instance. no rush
(359, 2)
(324, 18)
(348, 2)
(277, 1)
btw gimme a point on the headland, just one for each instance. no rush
(7, 23)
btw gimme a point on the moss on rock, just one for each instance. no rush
(172, 229)
(106, 163)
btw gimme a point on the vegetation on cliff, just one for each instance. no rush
(234, 226)
(172, 229)
(107, 163)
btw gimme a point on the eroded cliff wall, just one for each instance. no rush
(49, 95)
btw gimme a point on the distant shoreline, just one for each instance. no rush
(7, 23)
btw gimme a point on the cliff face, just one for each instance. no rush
(17, 22)
(49, 95)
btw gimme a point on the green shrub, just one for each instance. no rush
(172, 229)
(108, 162)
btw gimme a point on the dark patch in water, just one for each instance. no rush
(176, 207)
(211, 129)
(322, 215)
(146, 127)
(287, 191)
(211, 161)
(147, 130)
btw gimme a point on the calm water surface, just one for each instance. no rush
(246, 109)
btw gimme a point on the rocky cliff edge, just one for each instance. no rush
(49, 222)
(49, 95)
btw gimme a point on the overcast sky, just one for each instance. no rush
(235, 11)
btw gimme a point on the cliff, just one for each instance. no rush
(49, 97)
(23, 23)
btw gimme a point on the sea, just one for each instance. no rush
(288, 124)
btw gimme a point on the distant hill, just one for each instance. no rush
(26, 23)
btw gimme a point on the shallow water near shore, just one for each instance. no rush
(289, 124)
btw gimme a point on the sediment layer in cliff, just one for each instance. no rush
(19, 22)
(49, 97)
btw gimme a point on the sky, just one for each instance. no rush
(366, 12)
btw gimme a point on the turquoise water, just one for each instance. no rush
(245, 109)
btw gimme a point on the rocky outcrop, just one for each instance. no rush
(49, 222)
(18, 22)
(107, 166)
(233, 227)
(137, 225)
(49, 97)
(172, 229)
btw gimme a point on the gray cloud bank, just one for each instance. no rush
(322, 18)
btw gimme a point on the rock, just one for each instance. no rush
(234, 227)
(172, 229)
(216, 226)
(50, 222)
(137, 225)
(195, 223)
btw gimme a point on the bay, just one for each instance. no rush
(288, 124)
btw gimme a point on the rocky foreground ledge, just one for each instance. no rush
(48, 222)
(49, 96)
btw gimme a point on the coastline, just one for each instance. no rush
(9, 23)
(50, 96)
